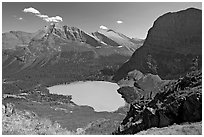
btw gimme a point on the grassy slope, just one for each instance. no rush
(184, 129)
(15, 122)
(69, 116)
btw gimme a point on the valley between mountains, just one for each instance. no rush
(156, 82)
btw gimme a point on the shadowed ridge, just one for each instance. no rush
(171, 44)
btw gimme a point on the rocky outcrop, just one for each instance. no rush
(129, 94)
(138, 85)
(172, 47)
(177, 103)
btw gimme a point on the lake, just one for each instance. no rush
(100, 95)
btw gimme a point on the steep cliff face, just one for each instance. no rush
(173, 46)
(75, 34)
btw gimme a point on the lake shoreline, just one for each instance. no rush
(101, 95)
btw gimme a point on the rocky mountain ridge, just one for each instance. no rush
(31, 57)
(100, 38)
(172, 46)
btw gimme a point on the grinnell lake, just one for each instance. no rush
(100, 95)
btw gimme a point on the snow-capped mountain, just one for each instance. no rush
(117, 39)
(56, 54)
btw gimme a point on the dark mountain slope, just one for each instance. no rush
(172, 47)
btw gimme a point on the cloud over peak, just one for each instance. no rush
(119, 21)
(44, 17)
(53, 19)
(103, 27)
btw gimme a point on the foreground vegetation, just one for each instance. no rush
(15, 122)
(184, 129)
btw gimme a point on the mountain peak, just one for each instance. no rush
(50, 28)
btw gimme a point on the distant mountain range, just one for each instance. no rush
(100, 38)
(64, 54)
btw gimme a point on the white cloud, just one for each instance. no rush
(50, 19)
(31, 10)
(119, 21)
(103, 27)
(44, 17)
(53, 19)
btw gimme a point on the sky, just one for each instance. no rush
(133, 19)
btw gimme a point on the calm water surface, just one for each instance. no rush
(100, 95)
